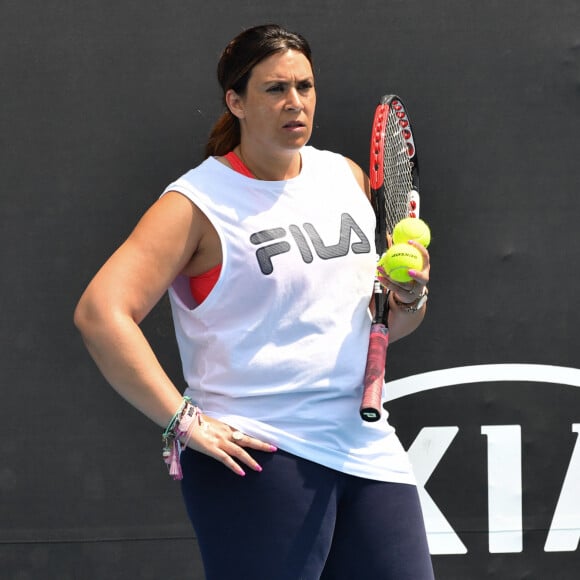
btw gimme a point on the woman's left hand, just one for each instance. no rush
(408, 292)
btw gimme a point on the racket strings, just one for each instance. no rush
(398, 173)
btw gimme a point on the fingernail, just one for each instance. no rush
(412, 273)
(240, 471)
(273, 448)
(258, 468)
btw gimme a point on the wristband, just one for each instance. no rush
(180, 425)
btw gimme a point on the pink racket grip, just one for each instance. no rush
(370, 409)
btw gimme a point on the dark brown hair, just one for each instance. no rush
(235, 66)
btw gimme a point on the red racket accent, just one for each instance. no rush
(376, 173)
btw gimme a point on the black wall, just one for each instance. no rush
(104, 103)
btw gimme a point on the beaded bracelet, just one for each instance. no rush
(414, 306)
(180, 425)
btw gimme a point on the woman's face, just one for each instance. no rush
(276, 113)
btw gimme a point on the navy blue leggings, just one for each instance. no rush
(297, 520)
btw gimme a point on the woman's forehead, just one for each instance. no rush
(283, 65)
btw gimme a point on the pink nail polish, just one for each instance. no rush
(241, 472)
(259, 468)
(412, 273)
(273, 448)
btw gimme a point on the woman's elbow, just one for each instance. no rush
(81, 316)
(88, 315)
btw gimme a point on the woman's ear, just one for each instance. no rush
(235, 104)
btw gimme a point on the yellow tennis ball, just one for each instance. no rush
(412, 229)
(398, 259)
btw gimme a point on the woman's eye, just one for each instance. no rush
(275, 89)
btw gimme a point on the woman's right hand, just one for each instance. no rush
(226, 444)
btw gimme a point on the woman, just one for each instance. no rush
(281, 478)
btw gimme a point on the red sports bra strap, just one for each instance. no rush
(237, 164)
(201, 285)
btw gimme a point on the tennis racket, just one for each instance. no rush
(394, 180)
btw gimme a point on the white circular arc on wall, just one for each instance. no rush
(482, 374)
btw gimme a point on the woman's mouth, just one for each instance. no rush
(294, 125)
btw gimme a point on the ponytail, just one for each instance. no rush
(224, 136)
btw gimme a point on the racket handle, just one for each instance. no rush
(370, 409)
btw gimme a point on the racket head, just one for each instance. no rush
(394, 168)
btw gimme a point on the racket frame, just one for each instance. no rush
(371, 403)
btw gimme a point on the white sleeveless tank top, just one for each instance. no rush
(278, 348)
